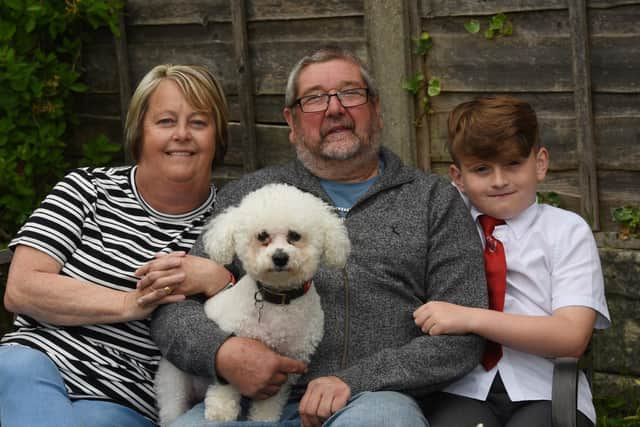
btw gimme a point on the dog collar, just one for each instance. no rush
(280, 297)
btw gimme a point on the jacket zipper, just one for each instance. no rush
(345, 348)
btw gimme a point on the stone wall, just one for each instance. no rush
(615, 350)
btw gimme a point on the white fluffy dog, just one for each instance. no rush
(280, 234)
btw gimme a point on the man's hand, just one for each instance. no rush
(324, 397)
(254, 369)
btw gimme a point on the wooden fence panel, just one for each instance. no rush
(278, 35)
(535, 64)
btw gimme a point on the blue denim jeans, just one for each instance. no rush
(32, 393)
(368, 409)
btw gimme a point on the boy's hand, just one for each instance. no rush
(438, 318)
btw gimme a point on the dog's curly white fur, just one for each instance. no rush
(281, 235)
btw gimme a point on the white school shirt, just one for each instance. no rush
(552, 262)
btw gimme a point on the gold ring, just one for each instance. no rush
(167, 290)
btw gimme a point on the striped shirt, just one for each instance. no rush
(98, 227)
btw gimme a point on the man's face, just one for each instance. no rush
(338, 133)
(504, 188)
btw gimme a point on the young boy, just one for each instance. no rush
(554, 286)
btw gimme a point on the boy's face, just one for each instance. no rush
(503, 188)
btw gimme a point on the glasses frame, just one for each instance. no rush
(328, 96)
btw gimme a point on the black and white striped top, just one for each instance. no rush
(100, 230)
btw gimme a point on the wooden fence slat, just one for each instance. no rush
(245, 83)
(423, 128)
(581, 62)
(389, 63)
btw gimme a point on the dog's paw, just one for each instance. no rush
(221, 403)
(221, 411)
(265, 410)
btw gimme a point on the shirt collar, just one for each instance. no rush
(518, 225)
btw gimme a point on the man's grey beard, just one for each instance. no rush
(366, 152)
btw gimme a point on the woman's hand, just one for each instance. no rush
(177, 273)
(140, 303)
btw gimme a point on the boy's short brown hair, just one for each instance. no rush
(492, 127)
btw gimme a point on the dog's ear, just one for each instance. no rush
(218, 238)
(336, 242)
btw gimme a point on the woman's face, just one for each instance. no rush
(178, 142)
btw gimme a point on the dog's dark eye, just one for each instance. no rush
(293, 236)
(263, 236)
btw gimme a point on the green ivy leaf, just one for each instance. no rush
(497, 21)
(433, 89)
(472, 26)
(35, 8)
(423, 43)
(79, 87)
(414, 84)
(16, 5)
(488, 34)
(549, 197)
(98, 151)
(7, 30)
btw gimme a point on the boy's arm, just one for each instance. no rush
(564, 333)
(576, 296)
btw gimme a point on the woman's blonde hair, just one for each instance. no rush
(201, 89)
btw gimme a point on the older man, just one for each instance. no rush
(412, 241)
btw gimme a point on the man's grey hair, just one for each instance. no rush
(325, 54)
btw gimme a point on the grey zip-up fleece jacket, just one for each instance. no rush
(413, 241)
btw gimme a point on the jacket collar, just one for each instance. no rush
(395, 173)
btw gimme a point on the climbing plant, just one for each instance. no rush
(628, 217)
(40, 72)
(421, 86)
(424, 87)
(499, 25)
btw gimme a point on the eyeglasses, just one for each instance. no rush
(348, 98)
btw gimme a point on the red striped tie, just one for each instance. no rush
(495, 265)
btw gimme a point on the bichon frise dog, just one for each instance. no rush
(281, 235)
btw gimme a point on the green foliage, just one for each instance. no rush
(423, 44)
(425, 88)
(472, 26)
(499, 26)
(98, 152)
(414, 84)
(629, 219)
(550, 198)
(613, 411)
(40, 71)
(419, 85)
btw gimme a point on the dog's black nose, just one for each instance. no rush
(280, 258)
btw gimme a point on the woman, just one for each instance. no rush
(82, 280)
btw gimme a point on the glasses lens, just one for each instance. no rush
(310, 104)
(352, 97)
